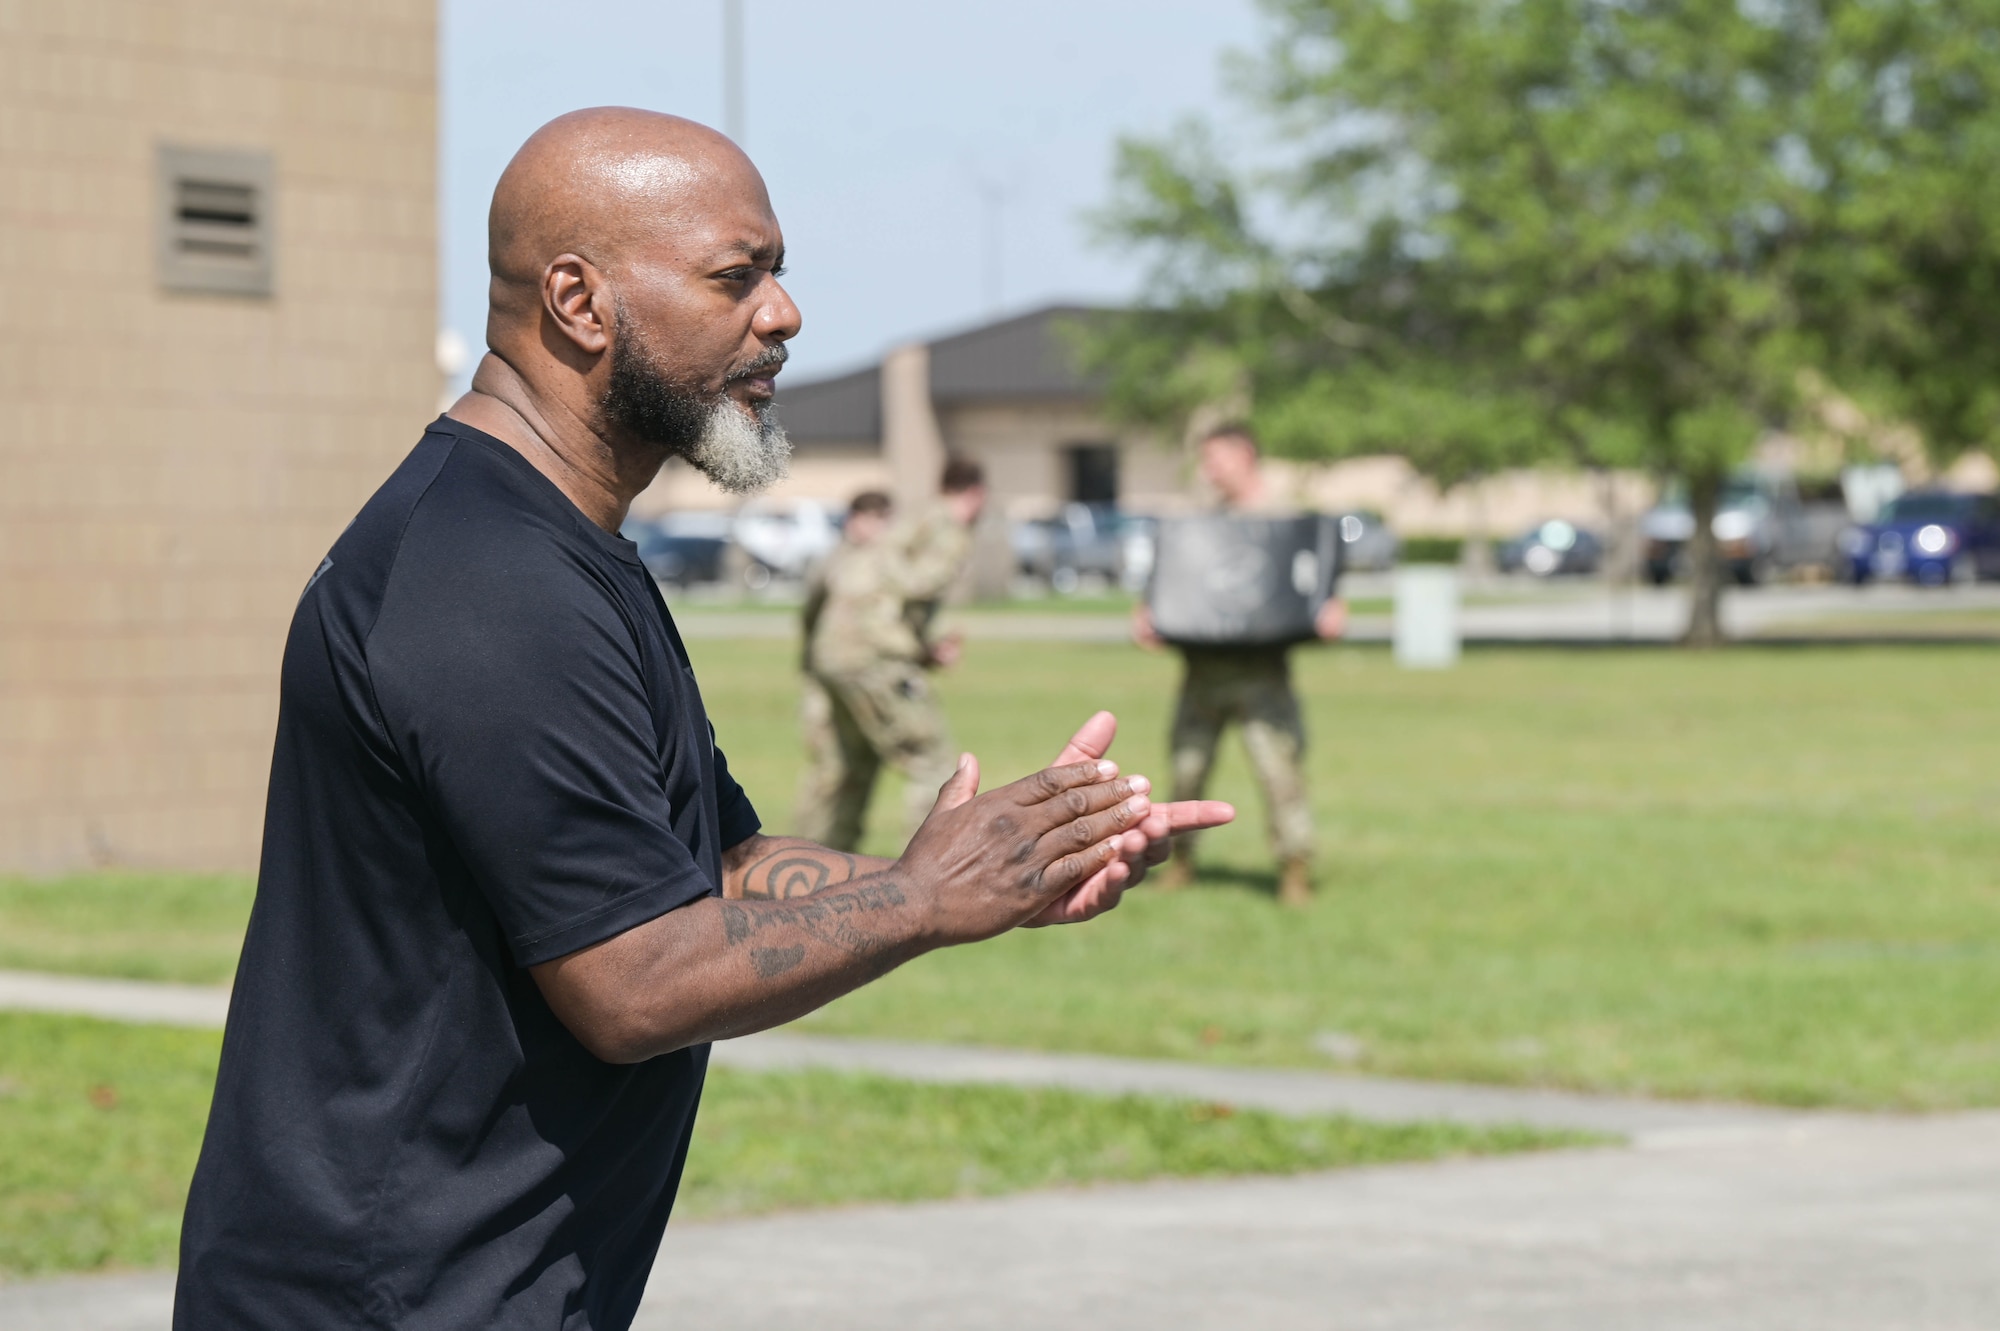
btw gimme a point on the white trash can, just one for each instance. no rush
(1426, 632)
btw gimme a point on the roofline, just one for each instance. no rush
(1039, 312)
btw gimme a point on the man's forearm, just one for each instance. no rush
(790, 938)
(719, 968)
(769, 868)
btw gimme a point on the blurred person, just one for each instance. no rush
(1249, 686)
(509, 889)
(868, 516)
(935, 545)
(872, 645)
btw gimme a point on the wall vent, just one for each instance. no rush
(214, 229)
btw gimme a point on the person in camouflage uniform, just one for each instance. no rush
(870, 645)
(1249, 686)
(821, 777)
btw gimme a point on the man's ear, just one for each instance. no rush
(577, 302)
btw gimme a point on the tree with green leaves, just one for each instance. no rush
(1614, 232)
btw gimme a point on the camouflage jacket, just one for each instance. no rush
(877, 602)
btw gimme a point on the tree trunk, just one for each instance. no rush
(1477, 558)
(1704, 628)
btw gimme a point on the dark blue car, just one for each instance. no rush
(682, 548)
(1928, 536)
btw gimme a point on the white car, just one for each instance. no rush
(783, 538)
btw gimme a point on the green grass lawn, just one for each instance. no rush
(99, 1128)
(1763, 873)
(100, 1125)
(185, 927)
(1771, 874)
(770, 1141)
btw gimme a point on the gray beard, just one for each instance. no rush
(741, 451)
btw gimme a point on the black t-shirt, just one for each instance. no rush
(490, 753)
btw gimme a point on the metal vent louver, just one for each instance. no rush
(215, 220)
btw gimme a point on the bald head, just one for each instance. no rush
(601, 182)
(635, 262)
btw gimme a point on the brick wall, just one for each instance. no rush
(173, 465)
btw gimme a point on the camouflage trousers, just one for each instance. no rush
(856, 722)
(1252, 689)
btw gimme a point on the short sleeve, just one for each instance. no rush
(511, 684)
(739, 821)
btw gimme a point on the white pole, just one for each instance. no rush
(732, 70)
(994, 196)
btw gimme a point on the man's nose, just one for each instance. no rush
(778, 317)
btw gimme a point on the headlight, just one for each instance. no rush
(1734, 525)
(1854, 542)
(1935, 540)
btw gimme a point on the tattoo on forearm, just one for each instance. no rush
(797, 871)
(834, 918)
(774, 961)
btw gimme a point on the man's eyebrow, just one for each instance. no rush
(742, 250)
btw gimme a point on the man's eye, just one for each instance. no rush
(780, 271)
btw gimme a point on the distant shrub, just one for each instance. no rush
(1432, 549)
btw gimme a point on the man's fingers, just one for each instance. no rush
(1092, 740)
(1057, 816)
(1074, 870)
(1057, 795)
(1083, 903)
(1117, 873)
(960, 786)
(1193, 815)
(1045, 785)
(1113, 822)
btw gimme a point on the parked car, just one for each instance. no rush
(1550, 548)
(682, 548)
(1763, 525)
(1366, 543)
(783, 539)
(1083, 540)
(1929, 536)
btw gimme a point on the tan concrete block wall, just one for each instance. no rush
(172, 465)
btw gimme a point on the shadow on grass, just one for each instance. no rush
(1262, 882)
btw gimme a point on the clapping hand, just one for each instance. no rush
(1140, 848)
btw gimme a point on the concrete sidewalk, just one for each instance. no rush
(1283, 1090)
(1835, 1227)
(114, 1000)
(1838, 1225)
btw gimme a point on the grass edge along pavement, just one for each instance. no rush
(100, 1123)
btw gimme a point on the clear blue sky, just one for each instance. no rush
(876, 123)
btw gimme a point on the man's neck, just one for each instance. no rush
(594, 473)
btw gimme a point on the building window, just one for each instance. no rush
(214, 220)
(1093, 473)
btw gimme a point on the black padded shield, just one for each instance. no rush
(1224, 580)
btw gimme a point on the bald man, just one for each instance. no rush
(509, 889)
